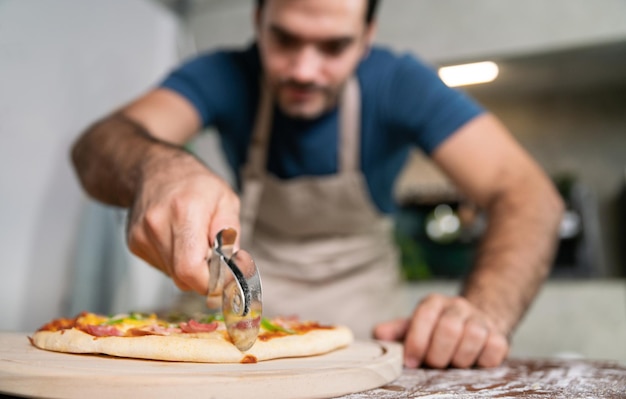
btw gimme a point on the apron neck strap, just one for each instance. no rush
(257, 150)
(350, 127)
(349, 130)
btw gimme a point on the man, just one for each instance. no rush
(318, 124)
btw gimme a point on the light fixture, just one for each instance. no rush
(469, 74)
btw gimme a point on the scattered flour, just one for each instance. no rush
(556, 379)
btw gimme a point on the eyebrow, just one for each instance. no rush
(345, 40)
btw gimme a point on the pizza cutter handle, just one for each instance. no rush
(242, 293)
(223, 248)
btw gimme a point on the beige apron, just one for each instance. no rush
(323, 250)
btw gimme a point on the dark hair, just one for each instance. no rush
(369, 15)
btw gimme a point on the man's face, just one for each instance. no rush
(309, 48)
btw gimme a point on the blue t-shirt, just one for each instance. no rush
(404, 104)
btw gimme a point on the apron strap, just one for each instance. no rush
(350, 127)
(257, 151)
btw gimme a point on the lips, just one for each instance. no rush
(302, 100)
(296, 93)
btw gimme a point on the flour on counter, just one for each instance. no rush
(516, 378)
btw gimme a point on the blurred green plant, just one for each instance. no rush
(412, 260)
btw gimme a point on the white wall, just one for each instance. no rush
(445, 30)
(63, 64)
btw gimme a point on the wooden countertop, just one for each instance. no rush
(528, 378)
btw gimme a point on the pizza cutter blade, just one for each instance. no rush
(240, 289)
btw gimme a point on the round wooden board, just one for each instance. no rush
(26, 370)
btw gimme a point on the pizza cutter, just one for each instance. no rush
(240, 289)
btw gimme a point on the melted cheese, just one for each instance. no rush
(121, 322)
(92, 319)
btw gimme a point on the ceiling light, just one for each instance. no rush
(469, 74)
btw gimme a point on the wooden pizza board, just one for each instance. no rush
(26, 370)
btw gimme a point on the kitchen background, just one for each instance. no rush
(561, 91)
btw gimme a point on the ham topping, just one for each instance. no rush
(193, 326)
(248, 323)
(102, 331)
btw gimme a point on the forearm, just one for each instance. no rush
(516, 252)
(113, 156)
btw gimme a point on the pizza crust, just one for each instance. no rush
(201, 347)
(314, 342)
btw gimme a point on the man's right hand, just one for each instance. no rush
(179, 208)
(133, 159)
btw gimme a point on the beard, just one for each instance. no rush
(305, 100)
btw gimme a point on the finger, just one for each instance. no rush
(147, 252)
(144, 248)
(159, 263)
(495, 351)
(152, 228)
(214, 302)
(138, 243)
(472, 343)
(394, 330)
(226, 215)
(189, 253)
(447, 334)
(421, 328)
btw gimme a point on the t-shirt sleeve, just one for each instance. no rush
(203, 81)
(423, 107)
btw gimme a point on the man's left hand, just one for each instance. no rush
(447, 331)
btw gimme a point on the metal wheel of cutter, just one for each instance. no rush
(240, 289)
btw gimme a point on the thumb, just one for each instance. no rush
(393, 330)
(225, 216)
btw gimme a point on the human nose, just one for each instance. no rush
(305, 65)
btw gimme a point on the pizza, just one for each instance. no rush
(197, 339)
